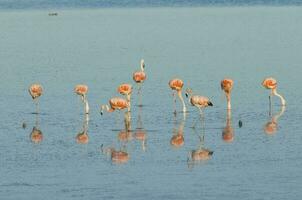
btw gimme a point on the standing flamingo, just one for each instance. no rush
(126, 89)
(226, 86)
(200, 102)
(176, 85)
(139, 77)
(271, 83)
(36, 90)
(82, 91)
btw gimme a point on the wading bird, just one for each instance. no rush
(36, 90)
(126, 89)
(200, 102)
(226, 86)
(176, 85)
(271, 83)
(139, 77)
(82, 91)
(115, 103)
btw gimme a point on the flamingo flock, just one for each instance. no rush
(123, 102)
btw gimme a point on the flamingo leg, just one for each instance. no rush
(174, 102)
(270, 104)
(139, 93)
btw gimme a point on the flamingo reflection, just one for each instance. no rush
(82, 137)
(271, 126)
(126, 135)
(36, 135)
(140, 133)
(117, 156)
(177, 139)
(228, 131)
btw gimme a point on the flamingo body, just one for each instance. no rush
(81, 89)
(200, 101)
(118, 103)
(176, 84)
(125, 89)
(269, 83)
(35, 90)
(227, 85)
(139, 76)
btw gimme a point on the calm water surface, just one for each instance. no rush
(102, 48)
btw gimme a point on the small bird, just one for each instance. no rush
(177, 85)
(82, 91)
(126, 89)
(36, 90)
(198, 101)
(271, 83)
(227, 86)
(115, 103)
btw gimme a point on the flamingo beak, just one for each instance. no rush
(210, 104)
(187, 95)
(101, 112)
(211, 153)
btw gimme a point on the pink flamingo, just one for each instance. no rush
(126, 89)
(227, 86)
(36, 90)
(139, 77)
(177, 85)
(200, 102)
(82, 91)
(115, 103)
(271, 83)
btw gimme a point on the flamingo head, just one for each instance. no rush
(189, 92)
(142, 64)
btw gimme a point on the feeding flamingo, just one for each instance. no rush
(115, 103)
(126, 89)
(227, 86)
(177, 85)
(36, 90)
(82, 91)
(271, 83)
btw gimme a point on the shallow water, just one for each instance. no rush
(102, 48)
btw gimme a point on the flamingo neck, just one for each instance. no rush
(283, 102)
(106, 108)
(128, 96)
(86, 105)
(184, 109)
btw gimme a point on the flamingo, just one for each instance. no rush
(126, 89)
(82, 91)
(176, 85)
(36, 90)
(139, 77)
(115, 103)
(200, 102)
(226, 86)
(271, 83)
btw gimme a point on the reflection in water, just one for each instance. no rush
(177, 139)
(228, 131)
(120, 156)
(140, 133)
(271, 126)
(201, 153)
(36, 135)
(82, 137)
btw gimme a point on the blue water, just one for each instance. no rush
(101, 48)
(34, 4)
